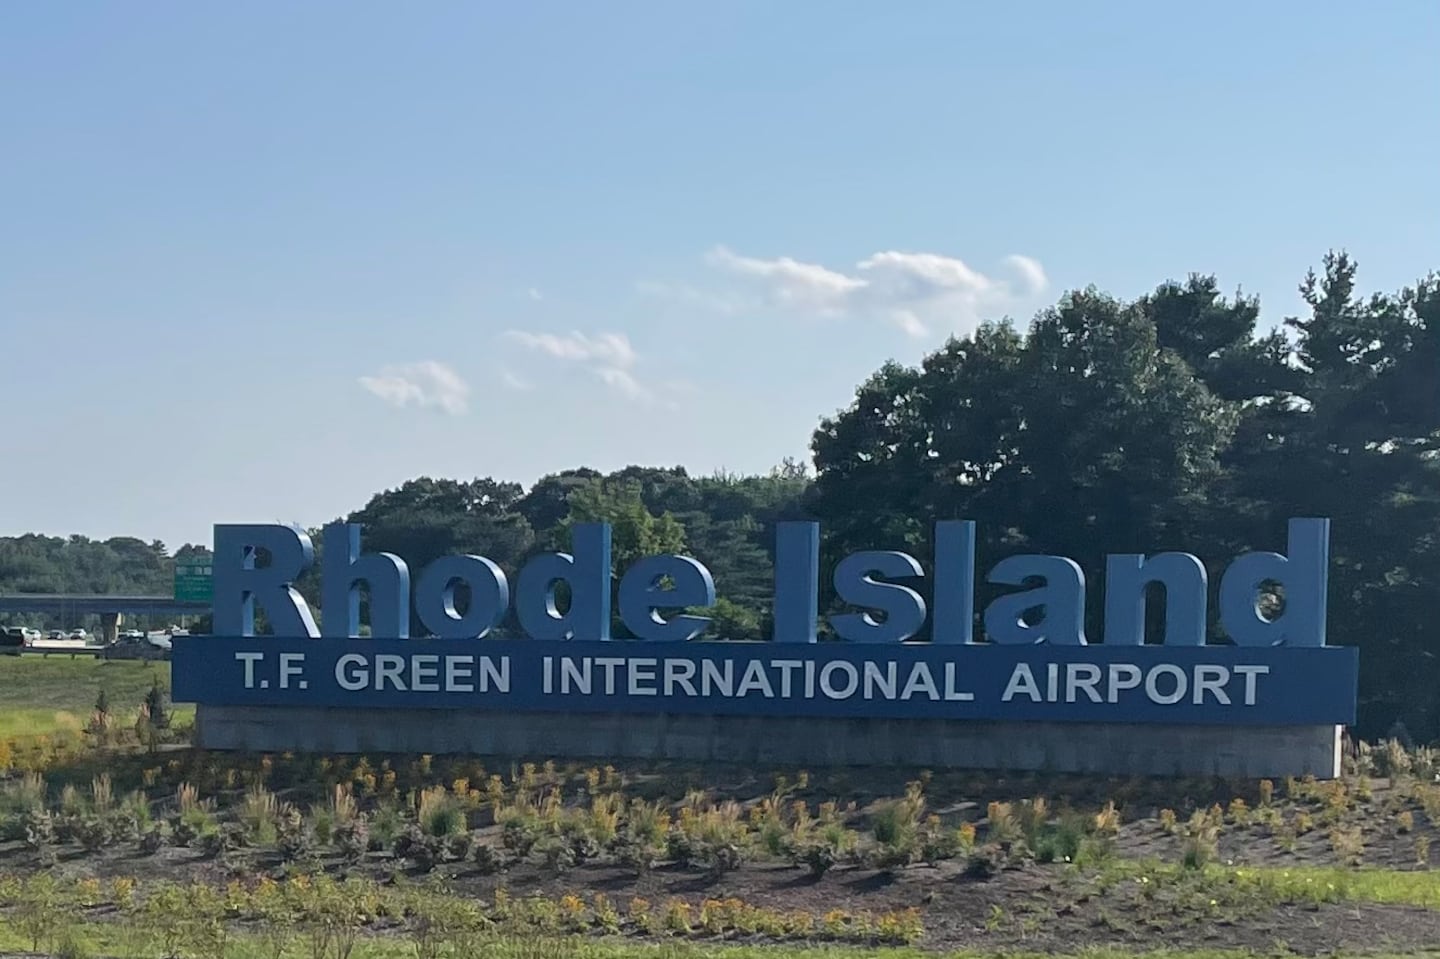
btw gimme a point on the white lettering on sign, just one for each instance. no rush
(423, 673)
(762, 678)
(1165, 684)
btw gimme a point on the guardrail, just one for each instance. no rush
(56, 650)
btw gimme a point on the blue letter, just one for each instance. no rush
(588, 574)
(797, 581)
(341, 568)
(641, 597)
(904, 608)
(435, 597)
(1062, 596)
(953, 598)
(1127, 575)
(238, 583)
(1304, 577)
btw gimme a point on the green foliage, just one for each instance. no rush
(1103, 425)
(1109, 426)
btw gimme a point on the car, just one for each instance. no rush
(55, 634)
(31, 635)
(12, 640)
(78, 633)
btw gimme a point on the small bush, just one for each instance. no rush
(1060, 841)
(439, 813)
(1202, 842)
(487, 860)
(985, 861)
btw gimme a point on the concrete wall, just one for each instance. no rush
(1265, 751)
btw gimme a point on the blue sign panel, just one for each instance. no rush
(1035, 663)
(1214, 685)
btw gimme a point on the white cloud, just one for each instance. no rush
(1030, 271)
(429, 383)
(919, 293)
(535, 294)
(610, 348)
(909, 323)
(514, 381)
(609, 356)
(622, 382)
(790, 282)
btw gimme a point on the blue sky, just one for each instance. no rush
(258, 261)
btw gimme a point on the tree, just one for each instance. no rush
(1085, 435)
(635, 531)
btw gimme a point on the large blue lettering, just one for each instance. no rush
(855, 583)
(239, 582)
(567, 596)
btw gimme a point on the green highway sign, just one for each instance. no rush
(193, 582)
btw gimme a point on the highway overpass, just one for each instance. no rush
(110, 609)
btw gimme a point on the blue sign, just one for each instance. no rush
(1035, 662)
(1218, 685)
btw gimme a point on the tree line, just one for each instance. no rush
(1172, 421)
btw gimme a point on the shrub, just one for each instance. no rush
(353, 838)
(1059, 841)
(156, 708)
(293, 839)
(715, 837)
(519, 832)
(322, 824)
(259, 814)
(487, 860)
(1202, 842)
(420, 848)
(1107, 820)
(556, 853)
(439, 813)
(818, 857)
(896, 822)
(985, 861)
(1394, 760)
(1348, 844)
(38, 828)
(458, 847)
(102, 794)
(386, 826)
(152, 839)
(93, 833)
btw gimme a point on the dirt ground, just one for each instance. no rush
(1030, 907)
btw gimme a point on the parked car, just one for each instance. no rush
(55, 634)
(12, 640)
(78, 633)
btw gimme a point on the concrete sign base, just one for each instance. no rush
(1104, 749)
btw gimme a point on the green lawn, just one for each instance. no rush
(48, 694)
(112, 939)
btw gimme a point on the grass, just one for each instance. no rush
(112, 940)
(1311, 884)
(43, 695)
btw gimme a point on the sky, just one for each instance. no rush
(259, 261)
